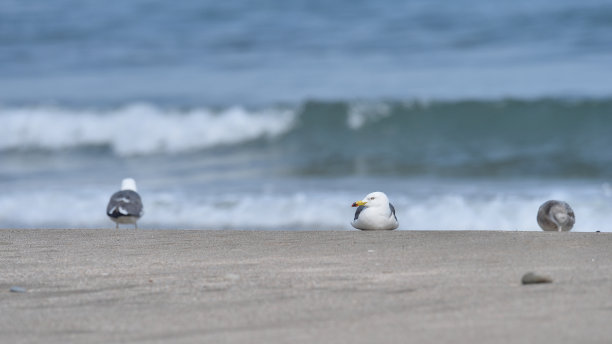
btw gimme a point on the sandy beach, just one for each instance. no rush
(104, 286)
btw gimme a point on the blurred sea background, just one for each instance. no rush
(280, 114)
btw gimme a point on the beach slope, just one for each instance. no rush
(103, 286)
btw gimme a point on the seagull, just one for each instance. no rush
(556, 216)
(375, 212)
(125, 206)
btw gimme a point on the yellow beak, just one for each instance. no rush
(359, 203)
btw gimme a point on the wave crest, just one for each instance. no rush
(138, 128)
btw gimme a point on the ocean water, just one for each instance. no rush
(267, 115)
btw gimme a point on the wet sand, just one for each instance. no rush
(103, 286)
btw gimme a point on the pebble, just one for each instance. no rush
(532, 278)
(18, 289)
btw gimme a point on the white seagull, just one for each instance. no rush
(556, 216)
(375, 212)
(125, 206)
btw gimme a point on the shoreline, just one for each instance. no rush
(189, 286)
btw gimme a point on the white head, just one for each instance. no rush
(128, 184)
(374, 200)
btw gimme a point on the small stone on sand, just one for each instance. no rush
(532, 278)
(18, 289)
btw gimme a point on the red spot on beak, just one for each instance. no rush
(354, 204)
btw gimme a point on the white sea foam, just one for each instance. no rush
(138, 128)
(361, 113)
(313, 209)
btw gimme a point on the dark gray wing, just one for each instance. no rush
(543, 217)
(358, 211)
(124, 203)
(392, 210)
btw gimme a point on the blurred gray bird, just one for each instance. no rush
(556, 216)
(125, 206)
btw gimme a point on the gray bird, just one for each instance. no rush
(556, 216)
(125, 206)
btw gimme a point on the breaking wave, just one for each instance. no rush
(137, 128)
(566, 138)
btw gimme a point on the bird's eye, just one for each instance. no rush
(371, 198)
